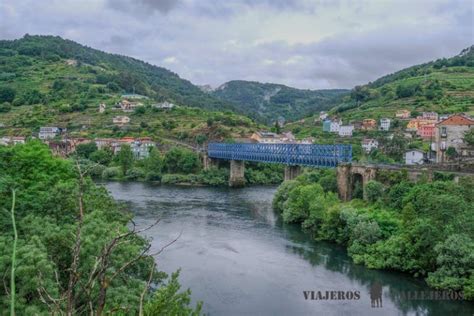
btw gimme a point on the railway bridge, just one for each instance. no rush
(292, 155)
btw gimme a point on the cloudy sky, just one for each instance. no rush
(302, 43)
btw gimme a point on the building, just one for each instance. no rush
(357, 125)
(12, 140)
(166, 105)
(323, 115)
(346, 130)
(288, 137)
(266, 138)
(385, 124)
(121, 120)
(368, 144)
(103, 143)
(327, 125)
(128, 106)
(141, 147)
(432, 116)
(133, 96)
(449, 133)
(414, 157)
(426, 131)
(403, 114)
(71, 62)
(369, 124)
(335, 125)
(102, 107)
(48, 132)
(415, 124)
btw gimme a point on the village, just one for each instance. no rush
(444, 134)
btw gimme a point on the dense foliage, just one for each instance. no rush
(109, 73)
(444, 86)
(53, 203)
(426, 229)
(177, 165)
(269, 102)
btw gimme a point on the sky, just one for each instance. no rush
(309, 44)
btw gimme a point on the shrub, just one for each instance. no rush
(153, 176)
(111, 173)
(135, 174)
(373, 190)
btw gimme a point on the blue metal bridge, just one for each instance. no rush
(325, 156)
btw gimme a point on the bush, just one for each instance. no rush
(112, 173)
(7, 94)
(5, 107)
(214, 176)
(373, 190)
(135, 174)
(153, 176)
(180, 160)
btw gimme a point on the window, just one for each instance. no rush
(443, 131)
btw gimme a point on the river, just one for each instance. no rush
(240, 259)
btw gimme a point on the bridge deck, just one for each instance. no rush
(328, 156)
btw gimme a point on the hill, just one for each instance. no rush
(268, 102)
(49, 81)
(49, 69)
(444, 86)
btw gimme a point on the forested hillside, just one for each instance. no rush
(445, 86)
(49, 81)
(269, 102)
(52, 70)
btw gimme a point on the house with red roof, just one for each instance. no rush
(449, 137)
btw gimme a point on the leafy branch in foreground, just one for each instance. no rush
(77, 251)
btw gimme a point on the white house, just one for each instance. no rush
(414, 157)
(164, 105)
(12, 140)
(370, 143)
(48, 132)
(384, 124)
(335, 125)
(346, 130)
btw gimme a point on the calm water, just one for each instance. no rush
(237, 256)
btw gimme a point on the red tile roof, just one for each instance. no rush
(457, 120)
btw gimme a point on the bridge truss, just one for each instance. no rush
(325, 156)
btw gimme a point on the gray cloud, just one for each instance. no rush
(302, 43)
(143, 6)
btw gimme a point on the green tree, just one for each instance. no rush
(102, 156)
(125, 158)
(180, 160)
(86, 150)
(7, 94)
(469, 137)
(373, 190)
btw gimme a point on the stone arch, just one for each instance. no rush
(357, 186)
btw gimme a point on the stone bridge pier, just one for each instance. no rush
(237, 174)
(292, 172)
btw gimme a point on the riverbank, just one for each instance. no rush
(424, 229)
(239, 258)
